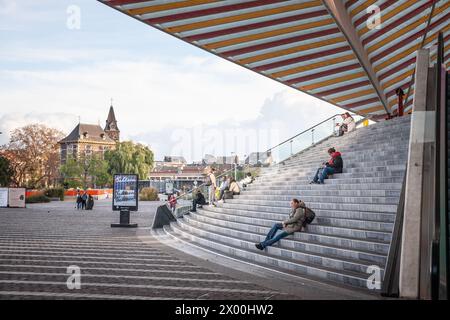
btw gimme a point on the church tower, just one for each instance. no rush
(111, 128)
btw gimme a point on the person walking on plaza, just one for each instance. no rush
(84, 198)
(78, 200)
(211, 182)
(334, 165)
(90, 203)
(295, 223)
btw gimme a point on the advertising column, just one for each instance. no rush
(125, 198)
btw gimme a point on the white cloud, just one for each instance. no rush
(282, 116)
(61, 121)
(156, 100)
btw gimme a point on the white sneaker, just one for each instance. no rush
(220, 201)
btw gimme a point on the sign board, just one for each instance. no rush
(125, 192)
(169, 187)
(3, 197)
(16, 197)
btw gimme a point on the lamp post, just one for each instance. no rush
(235, 166)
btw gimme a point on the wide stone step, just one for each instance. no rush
(336, 180)
(244, 252)
(301, 187)
(365, 155)
(273, 194)
(269, 219)
(355, 210)
(403, 156)
(360, 135)
(257, 234)
(244, 240)
(304, 169)
(348, 165)
(365, 234)
(320, 205)
(308, 175)
(375, 246)
(308, 171)
(277, 215)
(283, 200)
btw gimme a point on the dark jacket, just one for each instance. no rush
(336, 162)
(200, 198)
(296, 220)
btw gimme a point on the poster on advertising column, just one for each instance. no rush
(125, 192)
(16, 197)
(3, 197)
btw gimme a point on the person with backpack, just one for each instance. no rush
(334, 165)
(298, 218)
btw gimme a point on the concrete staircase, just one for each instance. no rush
(355, 210)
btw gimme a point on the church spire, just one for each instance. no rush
(111, 128)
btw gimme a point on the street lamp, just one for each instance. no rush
(235, 165)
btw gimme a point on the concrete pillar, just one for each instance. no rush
(410, 248)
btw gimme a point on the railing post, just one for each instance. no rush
(291, 146)
(312, 136)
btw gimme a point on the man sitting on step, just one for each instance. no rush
(199, 200)
(293, 224)
(334, 165)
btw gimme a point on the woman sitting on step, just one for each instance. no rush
(348, 124)
(293, 224)
(233, 190)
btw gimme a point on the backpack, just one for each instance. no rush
(309, 215)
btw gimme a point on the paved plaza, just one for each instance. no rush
(39, 243)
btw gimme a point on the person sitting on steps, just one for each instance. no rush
(295, 223)
(224, 186)
(233, 190)
(199, 200)
(247, 180)
(347, 125)
(334, 165)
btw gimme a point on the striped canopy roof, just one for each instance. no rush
(324, 48)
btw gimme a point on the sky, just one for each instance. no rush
(63, 61)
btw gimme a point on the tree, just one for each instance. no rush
(85, 171)
(129, 157)
(6, 172)
(33, 153)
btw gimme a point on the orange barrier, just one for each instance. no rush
(32, 193)
(71, 192)
(92, 192)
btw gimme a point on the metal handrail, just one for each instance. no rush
(309, 129)
(204, 183)
(269, 150)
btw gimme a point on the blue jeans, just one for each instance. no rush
(322, 174)
(271, 238)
